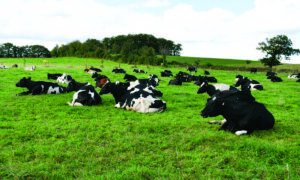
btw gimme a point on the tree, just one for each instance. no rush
(275, 48)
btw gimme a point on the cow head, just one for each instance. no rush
(23, 82)
(100, 82)
(213, 107)
(203, 88)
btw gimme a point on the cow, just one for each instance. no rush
(151, 80)
(136, 86)
(96, 69)
(166, 73)
(31, 68)
(242, 113)
(101, 81)
(253, 70)
(185, 77)
(271, 73)
(86, 96)
(213, 89)
(96, 75)
(39, 87)
(246, 83)
(294, 76)
(75, 86)
(274, 78)
(139, 71)
(192, 68)
(176, 81)
(206, 73)
(64, 79)
(118, 70)
(134, 100)
(4, 67)
(211, 79)
(129, 77)
(14, 66)
(54, 76)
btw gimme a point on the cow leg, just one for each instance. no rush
(241, 132)
(225, 126)
(217, 122)
(23, 93)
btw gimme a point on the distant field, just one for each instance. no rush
(41, 137)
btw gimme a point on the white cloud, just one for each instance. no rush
(211, 33)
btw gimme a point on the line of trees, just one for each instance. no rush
(8, 50)
(133, 49)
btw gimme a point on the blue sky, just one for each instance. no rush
(205, 28)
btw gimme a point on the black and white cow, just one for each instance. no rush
(271, 73)
(96, 69)
(54, 76)
(75, 86)
(206, 73)
(136, 86)
(152, 80)
(246, 83)
(253, 70)
(39, 87)
(294, 76)
(64, 79)
(185, 77)
(274, 78)
(129, 77)
(213, 89)
(139, 71)
(192, 68)
(242, 113)
(86, 96)
(176, 81)
(4, 67)
(133, 99)
(166, 73)
(119, 70)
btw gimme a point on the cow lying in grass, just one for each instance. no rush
(242, 113)
(213, 89)
(246, 83)
(64, 79)
(134, 98)
(86, 96)
(31, 68)
(39, 87)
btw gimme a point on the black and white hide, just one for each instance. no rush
(246, 83)
(75, 86)
(139, 71)
(64, 79)
(213, 89)
(39, 87)
(119, 70)
(54, 76)
(242, 113)
(294, 76)
(134, 99)
(86, 96)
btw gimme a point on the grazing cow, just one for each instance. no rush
(139, 71)
(177, 81)
(54, 76)
(14, 66)
(253, 70)
(118, 70)
(86, 96)
(166, 73)
(128, 77)
(4, 67)
(135, 100)
(192, 68)
(32, 68)
(206, 73)
(39, 87)
(242, 113)
(294, 76)
(75, 86)
(246, 83)
(96, 69)
(64, 79)
(213, 89)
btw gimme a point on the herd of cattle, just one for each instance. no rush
(242, 113)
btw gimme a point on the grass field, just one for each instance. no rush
(41, 137)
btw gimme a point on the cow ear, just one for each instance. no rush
(29, 78)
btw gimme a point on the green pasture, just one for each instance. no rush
(41, 137)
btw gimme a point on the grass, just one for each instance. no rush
(41, 137)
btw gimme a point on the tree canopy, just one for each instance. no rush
(275, 48)
(8, 50)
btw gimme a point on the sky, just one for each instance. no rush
(205, 28)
